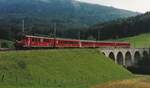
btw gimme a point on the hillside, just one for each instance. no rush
(139, 41)
(122, 27)
(64, 68)
(40, 15)
(67, 12)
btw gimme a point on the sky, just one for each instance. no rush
(133, 5)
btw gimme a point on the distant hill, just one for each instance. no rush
(122, 27)
(67, 12)
(39, 15)
(63, 68)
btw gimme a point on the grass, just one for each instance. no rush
(139, 41)
(139, 82)
(63, 68)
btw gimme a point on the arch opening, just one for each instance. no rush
(145, 55)
(103, 53)
(120, 58)
(137, 57)
(128, 59)
(112, 56)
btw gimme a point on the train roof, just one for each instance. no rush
(50, 38)
(38, 37)
(74, 39)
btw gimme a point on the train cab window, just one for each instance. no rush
(20, 37)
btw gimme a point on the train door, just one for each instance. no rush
(28, 41)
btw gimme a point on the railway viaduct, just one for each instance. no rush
(126, 56)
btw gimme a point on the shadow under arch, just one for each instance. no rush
(137, 57)
(112, 56)
(128, 59)
(145, 55)
(103, 53)
(120, 58)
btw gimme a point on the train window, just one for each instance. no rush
(70, 42)
(86, 43)
(20, 37)
(46, 40)
(41, 40)
(36, 40)
(62, 42)
(33, 39)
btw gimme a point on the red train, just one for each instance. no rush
(46, 42)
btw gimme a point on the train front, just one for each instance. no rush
(20, 42)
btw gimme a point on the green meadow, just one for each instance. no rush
(139, 41)
(60, 68)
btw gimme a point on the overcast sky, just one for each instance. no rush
(134, 5)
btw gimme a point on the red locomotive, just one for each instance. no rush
(45, 42)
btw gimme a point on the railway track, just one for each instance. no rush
(13, 49)
(7, 49)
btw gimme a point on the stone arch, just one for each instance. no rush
(112, 56)
(137, 57)
(128, 59)
(120, 58)
(145, 54)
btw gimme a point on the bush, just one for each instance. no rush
(4, 45)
